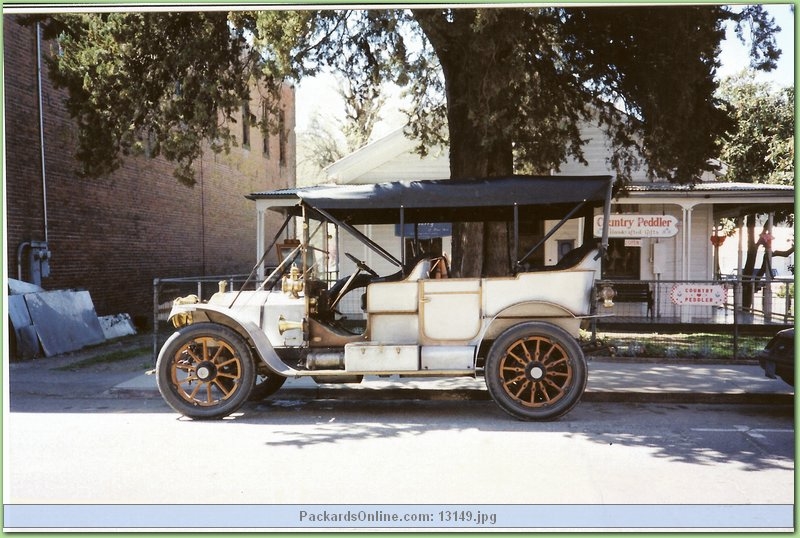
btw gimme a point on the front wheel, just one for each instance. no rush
(205, 371)
(536, 371)
(266, 385)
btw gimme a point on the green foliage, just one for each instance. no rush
(526, 79)
(657, 65)
(155, 83)
(675, 346)
(760, 145)
(508, 86)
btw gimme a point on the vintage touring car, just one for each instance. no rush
(519, 331)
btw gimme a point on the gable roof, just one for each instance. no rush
(366, 158)
(391, 157)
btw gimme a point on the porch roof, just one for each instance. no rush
(729, 199)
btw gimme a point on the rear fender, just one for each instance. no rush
(531, 311)
(249, 330)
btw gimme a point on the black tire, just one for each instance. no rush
(266, 385)
(205, 371)
(787, 376)
(536, 371)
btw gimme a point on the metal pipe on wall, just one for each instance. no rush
(41, 125)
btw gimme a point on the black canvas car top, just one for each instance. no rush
(467, 199)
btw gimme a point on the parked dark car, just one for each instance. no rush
(777, 359)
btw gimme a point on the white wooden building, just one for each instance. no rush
(662, 230)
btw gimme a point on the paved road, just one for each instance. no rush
(71, 439)
(376, 452)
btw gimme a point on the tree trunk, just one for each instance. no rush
(479, 249)
(748, 285)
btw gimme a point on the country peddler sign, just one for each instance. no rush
(698, 294)
(621, 225)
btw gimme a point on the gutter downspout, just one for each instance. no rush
(41, 125)
(20, 249)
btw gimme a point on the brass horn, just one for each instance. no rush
(284, 325)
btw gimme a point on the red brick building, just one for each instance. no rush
(114, 235)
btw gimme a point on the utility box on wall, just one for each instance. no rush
(38, 258)
(660, 258)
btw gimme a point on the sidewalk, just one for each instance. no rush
(609, 381)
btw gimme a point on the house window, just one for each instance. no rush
(623, 259)
(246, 124)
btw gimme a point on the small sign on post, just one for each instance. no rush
(698, 294)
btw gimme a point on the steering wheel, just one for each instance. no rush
(346, 288)
(361, 265)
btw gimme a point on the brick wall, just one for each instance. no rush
(113, 235)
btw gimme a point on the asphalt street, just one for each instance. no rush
(87, 431)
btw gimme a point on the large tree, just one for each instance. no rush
(759, 148)
(508, 86)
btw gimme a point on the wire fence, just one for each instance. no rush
(166, 290)
(709, 320)
(714, 319)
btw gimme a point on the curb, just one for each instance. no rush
(690, 398)
(389, 394)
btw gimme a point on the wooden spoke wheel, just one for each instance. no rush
(536, 371)
(205, 371)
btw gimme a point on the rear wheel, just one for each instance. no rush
(205, 371)
(536, 371)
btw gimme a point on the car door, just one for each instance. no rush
(450, 309)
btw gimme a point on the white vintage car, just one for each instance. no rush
(519, 332)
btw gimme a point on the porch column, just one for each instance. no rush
(686, 237)
(737, 298)
(766, 298)
(260, 239)
(686, 249)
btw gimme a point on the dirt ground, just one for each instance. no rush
(123, 354)
(88, 372)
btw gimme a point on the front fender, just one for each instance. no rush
(248, 329)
